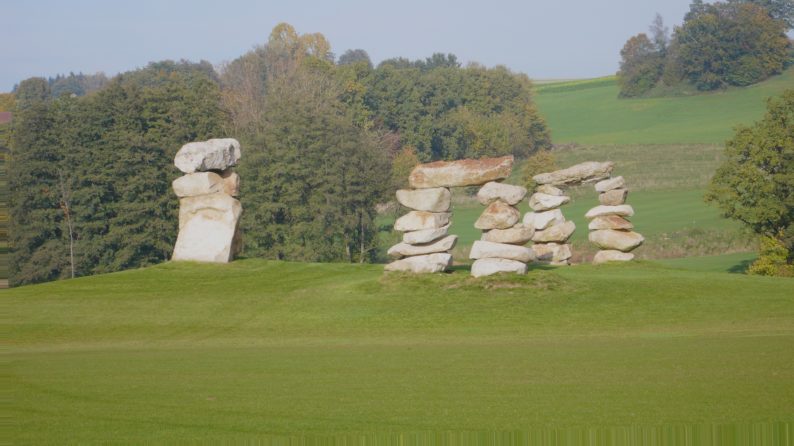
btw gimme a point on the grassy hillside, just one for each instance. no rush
(188, 352)
(590, 112)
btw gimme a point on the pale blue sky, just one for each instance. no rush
(543, 38)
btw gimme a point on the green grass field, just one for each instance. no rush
(590, 112)
(209, 352)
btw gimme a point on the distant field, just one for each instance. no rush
(187, 352)
(590, 112)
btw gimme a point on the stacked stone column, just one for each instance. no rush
(425, 246)
(501, 246)
(551, 230)
(209, 213)
(610, 229)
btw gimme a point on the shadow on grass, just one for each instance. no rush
(741, 267)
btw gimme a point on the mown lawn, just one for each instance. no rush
(201, 352)
(590, 112)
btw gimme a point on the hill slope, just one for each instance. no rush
(210, 352)
(590, 112)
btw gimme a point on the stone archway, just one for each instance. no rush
(426, 243)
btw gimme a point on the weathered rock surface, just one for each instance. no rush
(517, 235)
(430, 263)
(199, 183)
(419, 220)
(213, 154)
(488, 250)
(623, 210)
(207, 228)
(544, 202)
(611, 255)
(231, 182)
(542, 220)
(559, 233)
(552, 252)
(487, 267)
(549, 190)
(498, 215)
(460, 173)
(609, 184)
(425, 235)
(406, 250)
(613, 197)
(435, 199)
(580, 173)
(508, 193)
(618, 240)
(610, 222)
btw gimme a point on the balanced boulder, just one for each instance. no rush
(485, 250)
(618, 240)
(611, 255)
(466, 172)
(437, 199)
(555, 253)
(581, 173)
(498, 215)
(623, 210)
(542, 220)
(213, 154)
(609, 184)
(407, 250)
(517, 235)
(425, 235)
(419, 220)
(207, 228)
(613, 197)
(544, 202)
(507, 193)
(610, 222)
(487, 267)
(231, 182)
(559, 233)
(424, 264)
(199, 183)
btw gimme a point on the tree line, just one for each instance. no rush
(733, 43)
(324, 141)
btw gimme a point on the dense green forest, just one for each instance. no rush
(323, 141)
(720, 44)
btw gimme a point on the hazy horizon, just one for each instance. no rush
(545, 40)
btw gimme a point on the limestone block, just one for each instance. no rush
(199, 183)
(405, 250)
(436, 199)
(508, 193)
(419, 220)
(616, 240)
(581, 173)
(613, 197)
(425, 235)
(468, 172)
(517, 235)
(213, 154)
(623, 210)
(488, 250)
(559, 233)
(610, 222)
(207, 228)
(542, 220)
(609, 184)
(544, 202)
(498, 215)
(487, 267)
(611, 255)
(430, 263)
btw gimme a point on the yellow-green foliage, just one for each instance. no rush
(772, 260)
(6, 102)
(542, 161)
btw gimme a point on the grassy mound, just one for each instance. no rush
(590, 112)
(189, 351)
